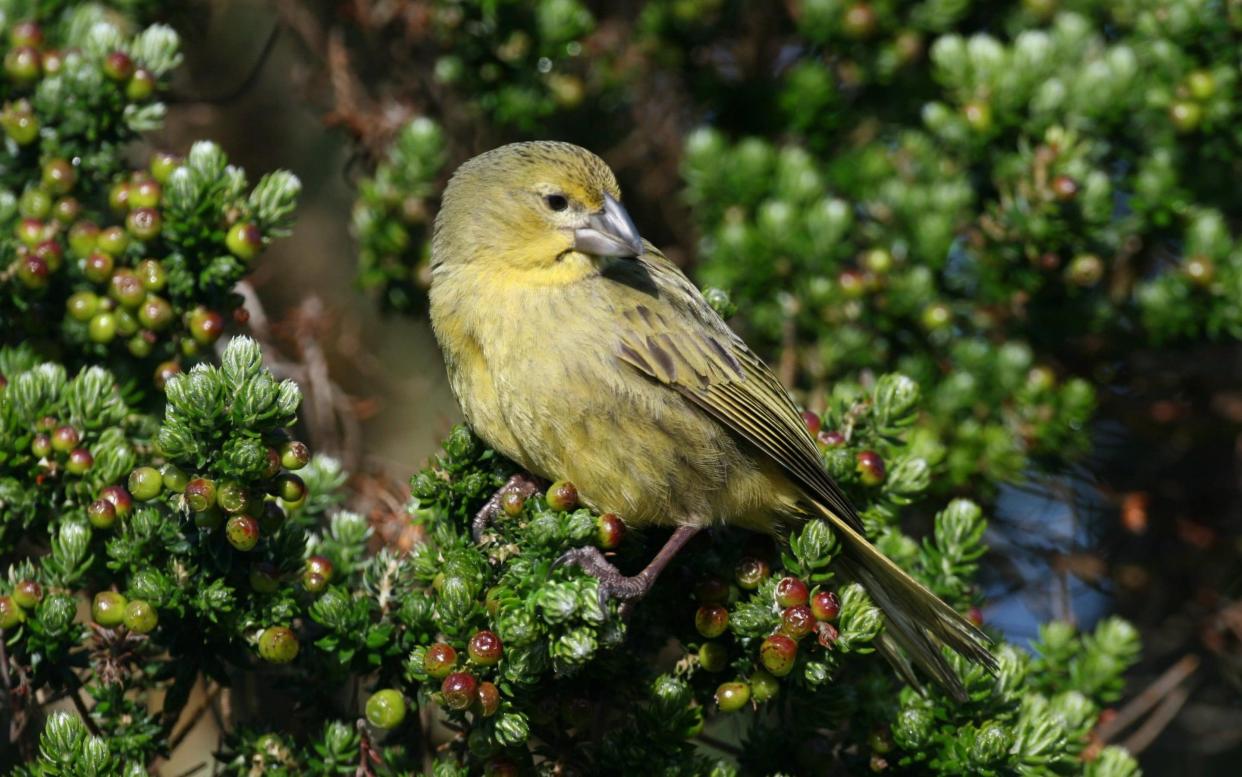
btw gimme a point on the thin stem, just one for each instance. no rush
(84, 712)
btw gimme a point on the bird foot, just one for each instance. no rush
(521, 483)
(613, 584)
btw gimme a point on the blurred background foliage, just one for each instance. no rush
(1028, 207)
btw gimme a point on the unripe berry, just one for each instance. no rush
(65, 439)
(825, 605)
(319, 565)
(1086, 270)
(200, 494)
(101, 514)
(751, 572)
(82, 305)
(175, 478)
(853, 284)
(145, 483)
(797, 622)
(713, 657)
(144, 223)
(126, 288)
(164, 371)
(731, 697)
(264, 577)
(102, 328)
(562, 495)
(878, 261)
(118, 66)
(98, 267)
(859, 21)
(141, 86)
(108, 609)
(121, 501)
(118, 196)
(609, 531)
(1200, 270)
(244, 240)
(711, 620)
(763, 686)
(512, 502)
(1185, 115)
(386, 708)
(870, 468)
(242, 532)
(439, 660)
(290, 487)
(28, 593)
(66, 210)
(140, 617)
(23, 65)
(314, 583)
(26, 33)
(487, 701)
(206, 326)
(278, 645)
(112, 241)
(231, 496)
(20, 124)
(778, 654)
(79, 462)
(791, 592)
(152, 274)
(1064, 188)
(34, 204)
(460, 690)
(936, 316)
(59, 176)
(11, 614)
(485, 648)
(33, 272)
(978, 115)
(294, 455)
(41, 446)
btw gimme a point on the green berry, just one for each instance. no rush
(1201, 84)
(210, 519)
(713, 657)
(487, 701)
(609, 531)
(870, 467)
(141, 86)
(778, 654)
(41, 446)
(711, 620)
(200, 494)
(26, 33)
(278, 645)
(485, 648)
(1185, 115)
(23, 65)
(386, 708)
(82, 305)
(98, 267)
(11, 613)
(825, 605)
(731, 697)
(290, 487)
(1085, 270)
(936, 316)
(33, 272)
(294, 455)
(53, 61)
(562, 495)
(152, 274)
(978, 115)
(28, 593)
(118, 196)
(231, 496)
(102, 328)
(79, 461)
(82, 238)
(878, 261)
(31, 232)
(751, 572)
(59, 177)
(314, 583)
(112, 241)
(512, 502)
(439, 660)
(791, 592)
(101, 514)
(108, 609)
(244, 240)
(1200, 271)
(140, 617)
(460, 690)
(162, 166)
(145, 483)
(242, 532)
(66, 210)
(20, 125)
(35, 204)
(763, 686)
(120, 499)
(174, 477)
(144, 223)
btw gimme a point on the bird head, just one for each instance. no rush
(545, 208)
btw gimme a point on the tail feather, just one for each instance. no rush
(915, 618)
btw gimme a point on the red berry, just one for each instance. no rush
(200, 494)
(41, 446)
(562, 495)
(28, 593)
(121, 501)
(609, 531)
(831, 439)
(777, 654)
(33, 272)
(975, 616)
(26, 33)
(65, 439)
(118, 66)
(870, 468)
(460, 690)
(439, 660)
(825, 605)
(488, 700)
(812, 421)
(791, 592)
(242, 532)
(320, 565)
(484, 648)
(512, 502)
(797, 622)
(711, 620)
(206, 326)
(80, 461)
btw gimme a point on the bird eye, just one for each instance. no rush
(556, 201)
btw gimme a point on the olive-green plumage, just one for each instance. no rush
(613, 372)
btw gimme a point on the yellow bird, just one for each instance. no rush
(579, 351)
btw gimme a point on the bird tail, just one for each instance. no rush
(915, 618)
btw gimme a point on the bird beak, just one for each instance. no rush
(609, 232)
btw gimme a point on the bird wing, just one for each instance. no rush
(673, 336)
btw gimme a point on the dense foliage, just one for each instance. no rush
(933, 218)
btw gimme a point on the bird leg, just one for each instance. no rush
(615, 585)
(522, 483)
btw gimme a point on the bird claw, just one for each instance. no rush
(522, 483)
(612, 583)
